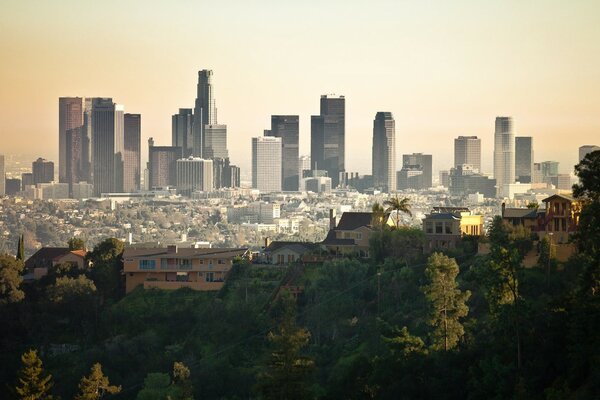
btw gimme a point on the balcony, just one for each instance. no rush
(174, 285)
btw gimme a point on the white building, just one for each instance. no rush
(266, 163)
(194, 174)
(504, 154)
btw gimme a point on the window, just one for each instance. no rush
(221, 261)
(210, 277)
(168, 263)
(429, 227)
(448, 229)
(438, 227)
(184, 263)
(147, 264)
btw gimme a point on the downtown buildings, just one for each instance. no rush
(328, 137)
(384, 152)
(504, 153)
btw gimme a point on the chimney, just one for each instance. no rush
(503, 208)
(267, 242)
(172, 249)
(332, 219)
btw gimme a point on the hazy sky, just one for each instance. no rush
(444, 68)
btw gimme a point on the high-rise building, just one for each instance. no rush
(524, 159)
(410, 177)
(303, 165)
(445, 178)
(162, 165)
(328, 131)
(182, 131)
(504, 153)
(266, 163)
(75, 162)
(194, 174)
(467, 150)
(132, 143)
(87, 169)
(536, 176)
(43, 171)
(585, 150)
(12, 186)
(104, 144)
(235, 176)
(26, 180)
(548, 170)
(70, 115)
(384, 152)
(205, 110)
(215, 142)
(287, 127)
(425, 161)
(2, 176)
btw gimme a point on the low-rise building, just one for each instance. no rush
(445, 227)
(173, 268)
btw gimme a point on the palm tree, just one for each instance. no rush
(397, 205)
(378, 219)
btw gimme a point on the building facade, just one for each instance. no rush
(194, 174)
(467, 150)
(182, 131)
(215, 142)
(287, 127)
(425, 161)
(524, 159)
(104, 145)
(585, 150)
(162, 165)
(504, 153)
(132, 147)
(42, 170)
(205, 110)
(266, 163)
(384, 152)
(70, 116)
(328, 137)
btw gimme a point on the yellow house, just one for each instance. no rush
(444, 228)
(173, 268)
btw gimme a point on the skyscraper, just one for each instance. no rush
(74, 157)
(104, 144)
(194, 174)
(205, 110)
(162, 165)
(287, 128)
(266, 163)
(328, 131)
(132, 142)
(43, 171)
(215, 142)
(2, 176)
(425, 162)
(467, 150)
(585, 150)
(548, 170)
(384, 152)
(70, 115)
(504, 153)
(182, 131)
(524, 159)
(303, 165)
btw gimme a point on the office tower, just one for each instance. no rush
(504, 153)
(536, 176)
(205, 111)
(119, 147)
(327, 131)
(104, 144)
(87, 170)
(410, 177)
(162, 165)
(384, 152)
(561, 181)
(221, 173)
(43, 171)
(12, 186)
(467, 150)
(287, 128)
(465, 180)
(132, 143)
(445, 178)
(266, 163)
(215, 142)
(425, 161)
(26, 180)
(303, 165)
(182, 131)
(548, 170)
(524, 159)
(194, 174)
(585, 150)
(70, 115)
(235, 176)
(74, 157)
(2, 176)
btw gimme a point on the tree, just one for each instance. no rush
(398, 206)
(181, 380)
(96, 385)
(33, 383)
(157, 385)
(21, 249)
(447, 301)
(378, 219)
(68, 289)
(107, 266)
(76, 244)
(10, 279)
(588, 171)
(288, 371)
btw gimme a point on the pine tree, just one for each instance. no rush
(96, 385)
(448, 302)
(32, 382)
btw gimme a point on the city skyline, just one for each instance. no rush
(432, 104)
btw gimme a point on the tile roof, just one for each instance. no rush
(184, 253)
(354, 220)
(44, 257)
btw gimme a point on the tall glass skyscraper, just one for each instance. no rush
(504, 153)
(70, 116)
(524, 159)
(328, 137)
(384, 152)
(287, 128)
(467, 150)
(132, 143)
(205, 110)
(182, 131)
(105, 144)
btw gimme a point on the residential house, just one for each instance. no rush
(445, 227)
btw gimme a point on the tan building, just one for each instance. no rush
(561, 218)
(173, 268)
(445, 227)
